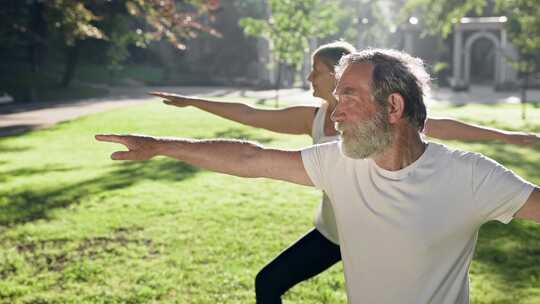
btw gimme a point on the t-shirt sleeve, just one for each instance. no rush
(316, 159)
(498, 191)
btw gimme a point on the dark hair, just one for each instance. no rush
(395, 72)
(331, 53)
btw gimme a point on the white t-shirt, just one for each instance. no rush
(408, 236)
(325, 221)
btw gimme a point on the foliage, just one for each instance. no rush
(523, 23)
(291, 24)
(172, 20)
(73, 20)
(140, 22)
(439, 16)
(523, 27)
(78, 20)
(63, 25)
(375, 26)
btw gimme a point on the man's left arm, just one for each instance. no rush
(531, 208)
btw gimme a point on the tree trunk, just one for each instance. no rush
(38, 31)
(524, 88)
(72, 58)
(278, 84)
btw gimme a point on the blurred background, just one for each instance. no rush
(72, 49)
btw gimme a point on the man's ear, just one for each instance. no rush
(396, 107)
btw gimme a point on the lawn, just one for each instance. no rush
(76, 227)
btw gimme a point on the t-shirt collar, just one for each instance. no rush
(404, 172)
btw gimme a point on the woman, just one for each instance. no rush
(319, 248)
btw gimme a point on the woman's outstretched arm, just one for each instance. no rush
(290, 120)
(448, 128)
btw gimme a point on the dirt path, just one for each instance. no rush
(23, 117)
(19, 118)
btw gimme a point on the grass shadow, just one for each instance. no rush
(227, 92)
(456, 105)
(62, 254)
(508, 157)
(16, 130)
(28, 205)
(238, 133)
(262, 101)
(12, 149)
(5, 149)
(510, 251)
(26, 172)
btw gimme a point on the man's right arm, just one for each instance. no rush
(239, 158)
(531, 208)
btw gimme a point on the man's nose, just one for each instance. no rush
(337, 115)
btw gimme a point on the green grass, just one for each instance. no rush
(76, 227)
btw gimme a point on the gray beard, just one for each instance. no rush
(368, 138)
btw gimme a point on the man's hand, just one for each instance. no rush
(140, 147)
(521, 138)
(174, 99)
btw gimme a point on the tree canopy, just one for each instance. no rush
(523, 23)
(290, 25)
(37, 25)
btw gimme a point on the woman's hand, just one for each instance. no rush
(174, 99)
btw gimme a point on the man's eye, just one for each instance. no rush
(348, 97)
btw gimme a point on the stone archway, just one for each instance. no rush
(468, 48)
(472, 29)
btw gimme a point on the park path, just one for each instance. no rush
(19, 118)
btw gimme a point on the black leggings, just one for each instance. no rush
(306, 258)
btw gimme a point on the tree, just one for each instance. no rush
(523, 26)
(41, 24)
(72, 22)
(375, 28)
(290, 25)
(140, 22)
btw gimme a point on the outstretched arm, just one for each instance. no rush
(291, 120)
(531, 209)
(447, 128)
(232, 157)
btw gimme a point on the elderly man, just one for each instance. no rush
(408, 211)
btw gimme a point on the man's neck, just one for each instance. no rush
(406, 148)
(331, 101)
